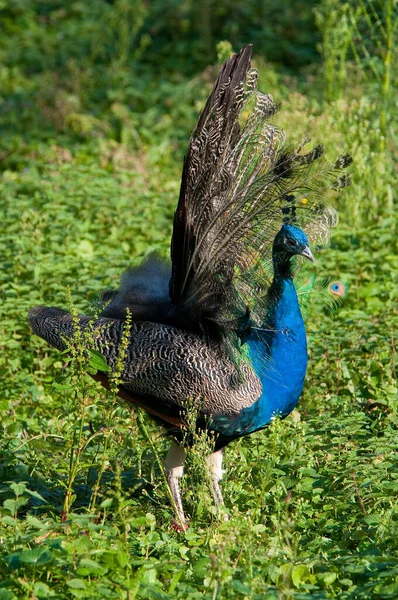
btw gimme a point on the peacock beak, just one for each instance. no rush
(308, 254)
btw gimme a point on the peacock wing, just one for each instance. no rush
(162, 365)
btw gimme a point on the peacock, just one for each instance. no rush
(219, 327)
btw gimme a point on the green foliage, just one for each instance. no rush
(359, 49)
(363, 32)
(95, 111)
(50, 34)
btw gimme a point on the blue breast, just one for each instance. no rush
(280, 361)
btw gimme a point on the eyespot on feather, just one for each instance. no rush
(337, 288)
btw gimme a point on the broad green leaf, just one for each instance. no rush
(97, 361)
(37, 557)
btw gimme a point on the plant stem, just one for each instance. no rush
(74, 459)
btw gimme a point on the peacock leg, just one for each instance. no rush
(214, 462)
(174, 465)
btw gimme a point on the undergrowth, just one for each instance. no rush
(90, 178)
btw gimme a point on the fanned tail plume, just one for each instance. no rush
(240, 180)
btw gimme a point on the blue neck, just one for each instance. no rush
(279, 358)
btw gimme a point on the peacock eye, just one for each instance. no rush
(337, 288)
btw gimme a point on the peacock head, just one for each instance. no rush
(291, 241)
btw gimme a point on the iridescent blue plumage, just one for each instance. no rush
(278, 350)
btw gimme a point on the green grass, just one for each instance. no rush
(312, 501)
(87, 190)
